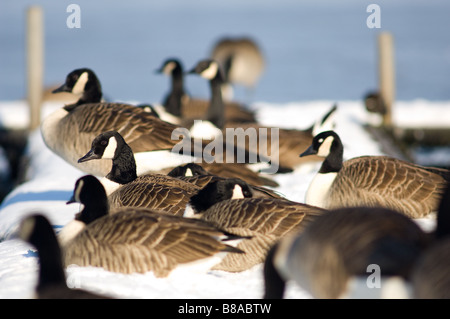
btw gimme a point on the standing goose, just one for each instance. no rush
(290, 142)
(37, 231)
(132, 239)
(69, 131)
(187, 109)
(241, 60)
(372, 181)
(125, 188)
(230, 205)
(340, 245)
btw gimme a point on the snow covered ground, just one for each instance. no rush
(51, 180)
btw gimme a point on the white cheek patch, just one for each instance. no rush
(78, 191)
(110, 150)
(211, 72)
(237, 192)
(188, 172)
(168, 68)
(79, 86)
(324, 149)
(26, 228)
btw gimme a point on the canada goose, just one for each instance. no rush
(288, 142)
(153, 140)
(133, 239)
(37, 231)
(185, 108)
(69, 131)
(230, 205)
(372, 180)
(241, 59)
(340, 245)
(125, 188)
(430, 278)
(230, 170)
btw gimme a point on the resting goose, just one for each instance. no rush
(230, 170)
(155, 142)
(230, 205)
(69, 131)
(37, 231)
(288, 142)
(372, 181)
(125, 188)
(339, 246)
(132, 239)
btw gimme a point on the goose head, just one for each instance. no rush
(220, 190)
(323, 144)
(170, 67)
(106, 145)
(208, 69)
(82, 82)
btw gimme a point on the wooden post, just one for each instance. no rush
(386, 74)
(35, 64)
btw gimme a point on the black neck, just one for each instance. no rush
(96, 208)
(92, 94)
(216, 110)
(51, 269)
(123, 169)
(443, 215)
(274, 284)
(173, 100)
(333, 162)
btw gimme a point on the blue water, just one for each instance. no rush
(314, 49)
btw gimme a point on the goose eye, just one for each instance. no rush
(104, 143)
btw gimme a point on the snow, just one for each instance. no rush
(50, 182)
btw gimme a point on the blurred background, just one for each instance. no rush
(314, 49)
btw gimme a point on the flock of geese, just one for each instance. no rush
(162, 213)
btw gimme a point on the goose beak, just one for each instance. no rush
(158, 71)
(191, 71)
(89, 156)
(71, 200)
(62, 88)
(309, 151)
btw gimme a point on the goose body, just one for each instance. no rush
(372, 181)
(69, 131)
(339, 246)
(132, 239)
(37, 231)
(281, 145)
(230, 205)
